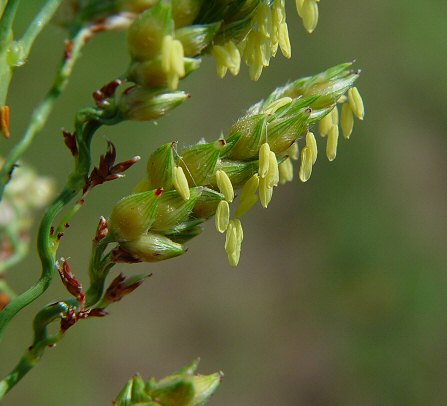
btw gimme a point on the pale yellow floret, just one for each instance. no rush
(246, 204)
(264, 160)
(257, 52)
(265, 192)
(251, 186)
(299, 7)
(293, 151)
(325, 124)
(180, 182)
(172, 60)
(222, 216)
(230, 238)
(311, 142)
(277, 104)
(309, 14)
(356, 103)
(248, 196)
(233, 241)
(332, 141)
(306, 164)
(225, 186)
(278, 17)
(263, 19)
(342, 99)
(222, 58)
(346, 120)
(235, 57)
(284, 40)
(285, 171)
(273, 172)
(334, 115)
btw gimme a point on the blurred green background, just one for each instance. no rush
(340, 297)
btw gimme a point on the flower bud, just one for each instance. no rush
(145, 35)
(184, 12)
(173, 210)
(152, 247)
(174, 390)
(196, 38)
(204, 387)
(160, 166)
(199, 162)
(133, 215)
(248, 134)
(140, 104)
(207, 203)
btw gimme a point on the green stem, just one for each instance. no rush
(7, 20)
(43, 110)
(98, 270)
(37, 25)
(46, 243)
(34, 353)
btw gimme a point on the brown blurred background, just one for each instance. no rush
(340, 297)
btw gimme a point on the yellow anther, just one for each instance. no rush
(263, 19)
(299, 7)
(342, 99)
(222, 216)
(233, 241)
(306, 164)
(273, 172)
(246, 204)
(293, 151)
(284, 40)
(265, 192)
(346, 120)
(223, 59)
(234, 57)
(334, 115)
(248, 197)
(180, 182)
(251, 186)
(277, 104)
(172, 60)
(309, 14)
(285, 171)
(356, 103)
(325, 124)
(264, 160)
(230, 238)
(311, 143)
(225, 186)
(332, 141)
